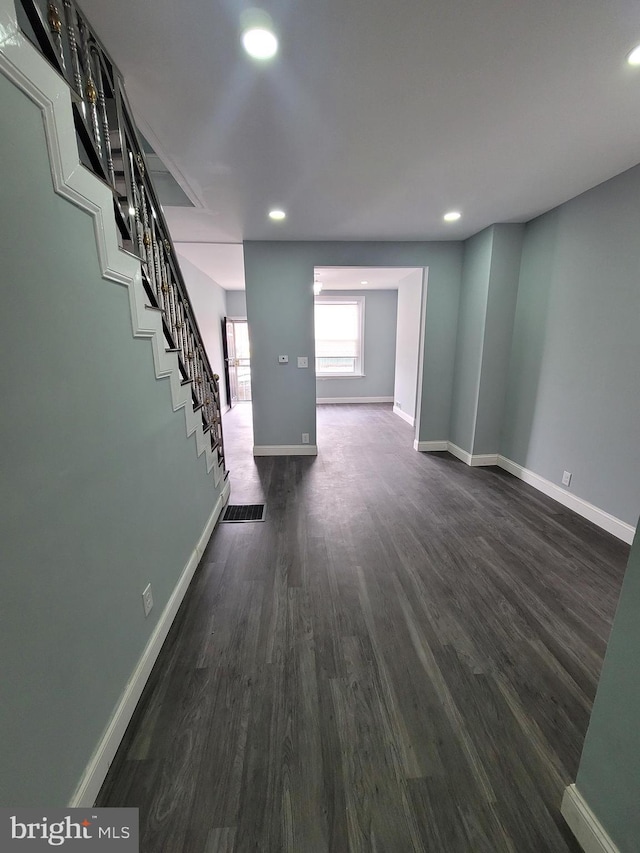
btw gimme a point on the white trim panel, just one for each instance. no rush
(586, 827)
(587, 510)
(96, 771)
(320, 400)
(285, 449)
(405, 417)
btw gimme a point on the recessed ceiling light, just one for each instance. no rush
(452, 216)
(260, 43)
(277, 214)
(634, 57)
(364, 282)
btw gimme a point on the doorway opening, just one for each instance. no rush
(369, 333)
(237, 360)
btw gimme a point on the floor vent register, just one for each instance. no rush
(248, 512)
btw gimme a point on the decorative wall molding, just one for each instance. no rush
(285, 450)
(21, 63)
(320, 400)
(586, 827)
(405, 417)
(96, 771)
(587, 510)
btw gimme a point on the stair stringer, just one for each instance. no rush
(21, 63)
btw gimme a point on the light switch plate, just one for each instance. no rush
(283, 359)
(303, 361)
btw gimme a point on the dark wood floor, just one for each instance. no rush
(403, 657)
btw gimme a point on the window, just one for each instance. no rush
(339, 336)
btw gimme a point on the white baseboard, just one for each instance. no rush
(405, 417)
(438, 446)
(96, 771)
(598, 516)
(589, 832)
(430, 446)
(321, 400)
(285, 449)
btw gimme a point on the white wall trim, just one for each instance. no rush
(96, 770)
(285, 450)
(459, 453)
(430, 446)
(476, 461)
(320, 400)
(405, 417)
(586, 827)
(27, 69)
(587, 510)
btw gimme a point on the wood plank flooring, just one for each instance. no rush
(402, 657)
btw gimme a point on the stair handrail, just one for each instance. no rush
(109, 144)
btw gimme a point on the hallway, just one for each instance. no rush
(402, 657)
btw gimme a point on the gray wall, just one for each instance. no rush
(380, 308)
(470, 337)
(101, 490)
(209, 303)
(279, 279)
(608, 776)
(498, 332)
(236, 303)
(408, 342)
(573, 399)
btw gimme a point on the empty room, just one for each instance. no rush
(320, 457)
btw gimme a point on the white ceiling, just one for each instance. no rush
(352, 278)
(223, 262)
(377, 116)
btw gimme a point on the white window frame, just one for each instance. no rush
(359, 362)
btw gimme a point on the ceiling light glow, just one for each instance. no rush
(260, 43)
(277, 215)
(633, 58)
(364, 282)
(452, 216)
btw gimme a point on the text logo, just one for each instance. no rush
(26, 830)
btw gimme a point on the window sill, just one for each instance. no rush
(322, 376)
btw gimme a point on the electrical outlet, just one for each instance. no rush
(147, 600)
(305, 438)
(303, 361)
(566, 478)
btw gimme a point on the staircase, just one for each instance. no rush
(109, 146)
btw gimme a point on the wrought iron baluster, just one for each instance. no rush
(69, 15)
(156, 263)
(55, 26)
(102, 104)
(164, 287)
(146, 236)
(90, 92)
(174, 311)
(138, 219)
